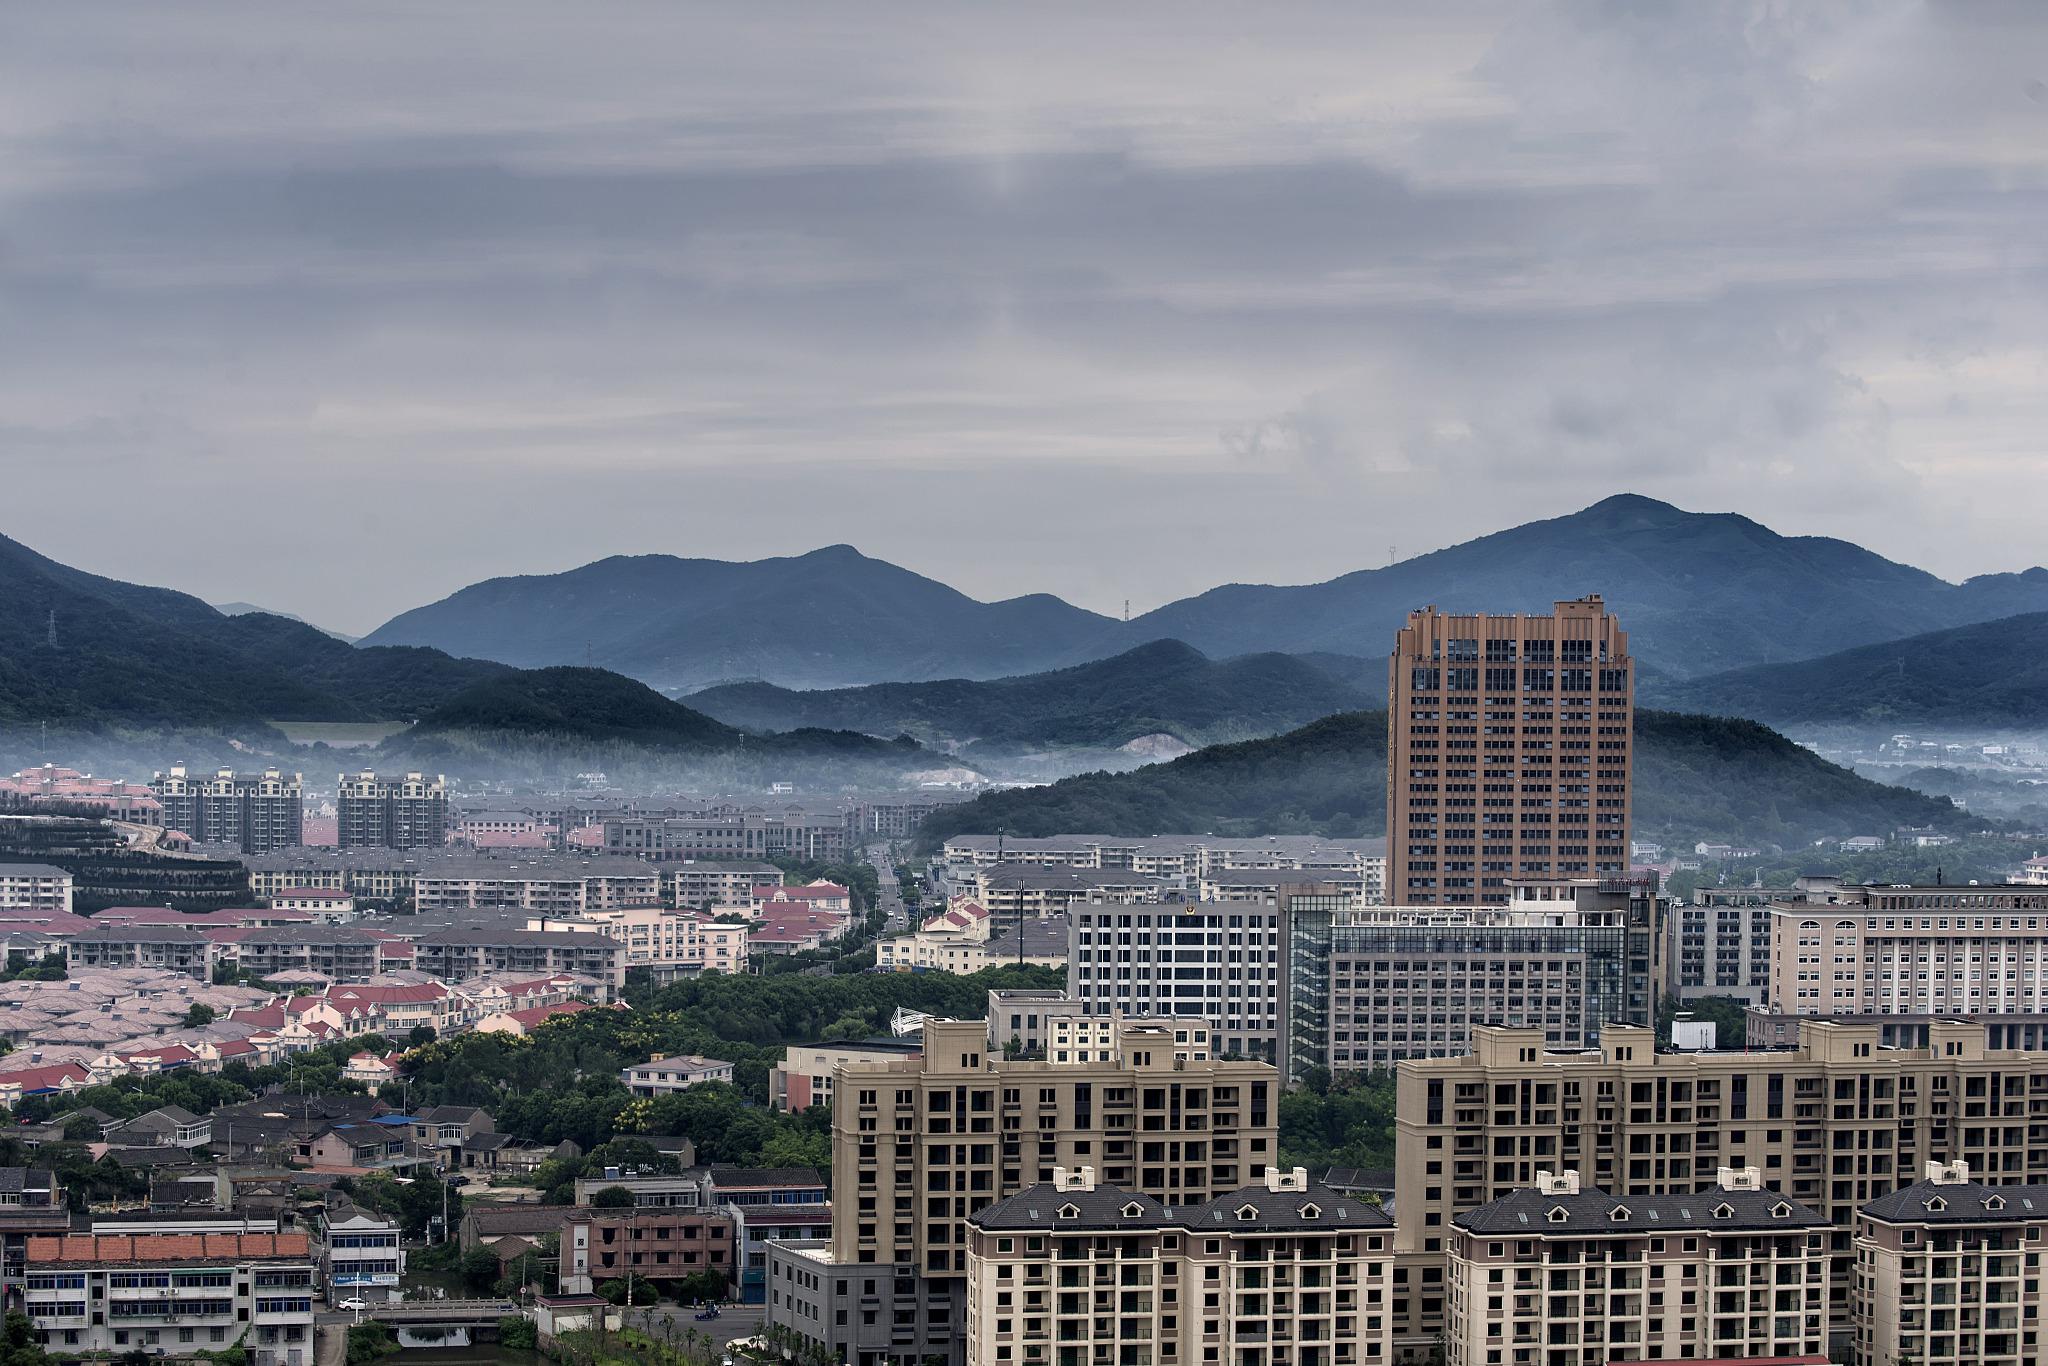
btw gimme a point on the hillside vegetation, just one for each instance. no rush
(1993, 674)
(1164, 687)
(127, 656)
(1697, 777)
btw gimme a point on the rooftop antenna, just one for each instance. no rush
(1127, 613)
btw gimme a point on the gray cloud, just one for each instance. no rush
(1105, 301)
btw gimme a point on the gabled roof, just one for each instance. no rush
(1317, 1207)
(1960, 1203)
(1046, 1208)
(1528, 1211)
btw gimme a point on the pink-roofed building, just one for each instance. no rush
(817, 896)
(372, 1069)
(523, 1022)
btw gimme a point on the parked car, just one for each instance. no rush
(353, 1302)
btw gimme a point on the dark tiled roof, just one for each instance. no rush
(1252, 1209)
(1964, 1203)
(489, 1221)
(1259, 1209)
(14, 1180)
(1359, 1178)
(1039, 1207)
(1528, 1212)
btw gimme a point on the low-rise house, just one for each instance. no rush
(600, 1245)
(163, 1293)
(487, 1225)
(372, 1069)
(169, 1126)
(362, 1147)
(31, 1202)
(327, 905)
(360, 1252)
(661, 1076)
(520, 1023)
(449, 1127)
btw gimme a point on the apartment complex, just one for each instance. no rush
(463, 952)
(808, 1072)
(667, 943)
(1281, 1272)
(711, 883)
(170, 948)
(921, 1144)
(545, 886)
(173, 1294)
(1367, 988)
(1948, 1273)
(1508, 752)
(41, 887)
(732, 834)
(1178, 858)
(1563, 1275)
(1958, 950)
(1833, 1124)
(254, 812)
(1222, 962)
(394, 813)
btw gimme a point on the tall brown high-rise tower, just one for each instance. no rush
(1509, 754)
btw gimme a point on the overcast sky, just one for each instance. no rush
(337, 309)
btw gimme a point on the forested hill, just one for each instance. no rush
(1164, 687)
(1994, 674)
(1697, 777)
(77, 649)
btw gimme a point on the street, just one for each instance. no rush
(891, 899)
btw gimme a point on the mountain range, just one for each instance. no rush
(1164, 687)
(82, 650)
(93, 653)
(1991, 674)
(1698, 592)
(1697, 777)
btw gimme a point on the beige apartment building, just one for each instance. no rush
(921, 1144)
(1948, 1273)
(396, 813)
(1281, 1272)
(668, 943)
(1907, 950)
(555, 886)
(1509, 752)
(1833, 1124)
(1561, 1274)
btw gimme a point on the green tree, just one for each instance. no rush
(198, 1016)
(480, 1268)
(612, 1197)
(421, 1036)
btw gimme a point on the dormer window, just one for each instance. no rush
(1070, 1211)
(1994, 1202)
(1311, 1212)
(1133, 1210)
(1935, 1205)
(1724, 1212)
(1618, 1215)
(1557, 1214)
(1247, 1213)
(1781, 1210)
